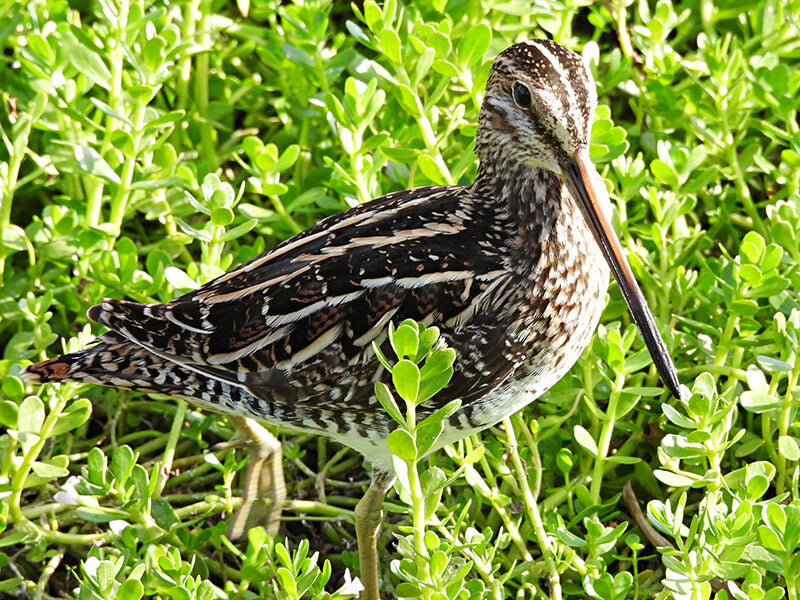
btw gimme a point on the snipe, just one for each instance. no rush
(513, 269)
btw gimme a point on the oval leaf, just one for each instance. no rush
(584, 438)
(405, 377)
(402, 445)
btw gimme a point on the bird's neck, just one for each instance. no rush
(533, 199)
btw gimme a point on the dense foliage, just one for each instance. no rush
(148, 147)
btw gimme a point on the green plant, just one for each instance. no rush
(146, 147)
(423, 369)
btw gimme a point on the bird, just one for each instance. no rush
(513, 269)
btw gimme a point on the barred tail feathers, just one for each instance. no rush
(119, 363)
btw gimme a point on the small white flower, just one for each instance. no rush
(351, 586)
(68, 494)
(118, 526)
(90, 566)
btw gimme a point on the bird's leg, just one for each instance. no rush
(264, 488)
(369, 515)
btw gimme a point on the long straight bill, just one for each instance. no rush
(588, 189)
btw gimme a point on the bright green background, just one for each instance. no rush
(147, 148)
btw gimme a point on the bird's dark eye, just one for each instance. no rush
(522, 95)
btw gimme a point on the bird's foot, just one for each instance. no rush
(264, 488)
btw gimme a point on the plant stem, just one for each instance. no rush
(418, 516)
(34, 450)
(606, 433)
(169, 451)
(207, 144)
(543, 540)
(784, 421)
(16, 149)
(121, 196)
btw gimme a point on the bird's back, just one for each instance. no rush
(289, 333)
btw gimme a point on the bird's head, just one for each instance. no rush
(538, 109)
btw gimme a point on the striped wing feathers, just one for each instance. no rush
(318, 300)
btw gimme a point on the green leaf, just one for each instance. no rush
(55, 467)
(13, 237)
(434, 169)
(234, 233)
(475, 455)
(584, 438)
(402, 445)
(623, 460)
(752, 246)
(381, 357)
(222, 216)
(665, 173)
(424, 63)
(438, 362)
(409, 101)
(431, 480)
(676, 417)
(772, 365)
(105, 575)
(98, 465)
(405, 341)
(164, 514)
(428, 338)
(757, 486)
(676, 565)
(287, 582)
(442, 413)
(288, 158)
(431, 386)
(759, 402)
(122, 461)
(166, 119)
(405, 589)
(474, 44)
(179, 280)
(405, 377)
(13, 388)
(75, 415)
(789, 447)
(770, 540)
(31, 415)
(17, 537)
(91, 162)
(427, 435)
(131, 589)
(105, 108)
(90, 64)
(390, 45)
(445, 68)
(384, 396)
(9, 412)
(99, 515)
(569, 538)
(673, 479)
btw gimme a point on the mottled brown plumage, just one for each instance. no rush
(507, 268)
(513, 269)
